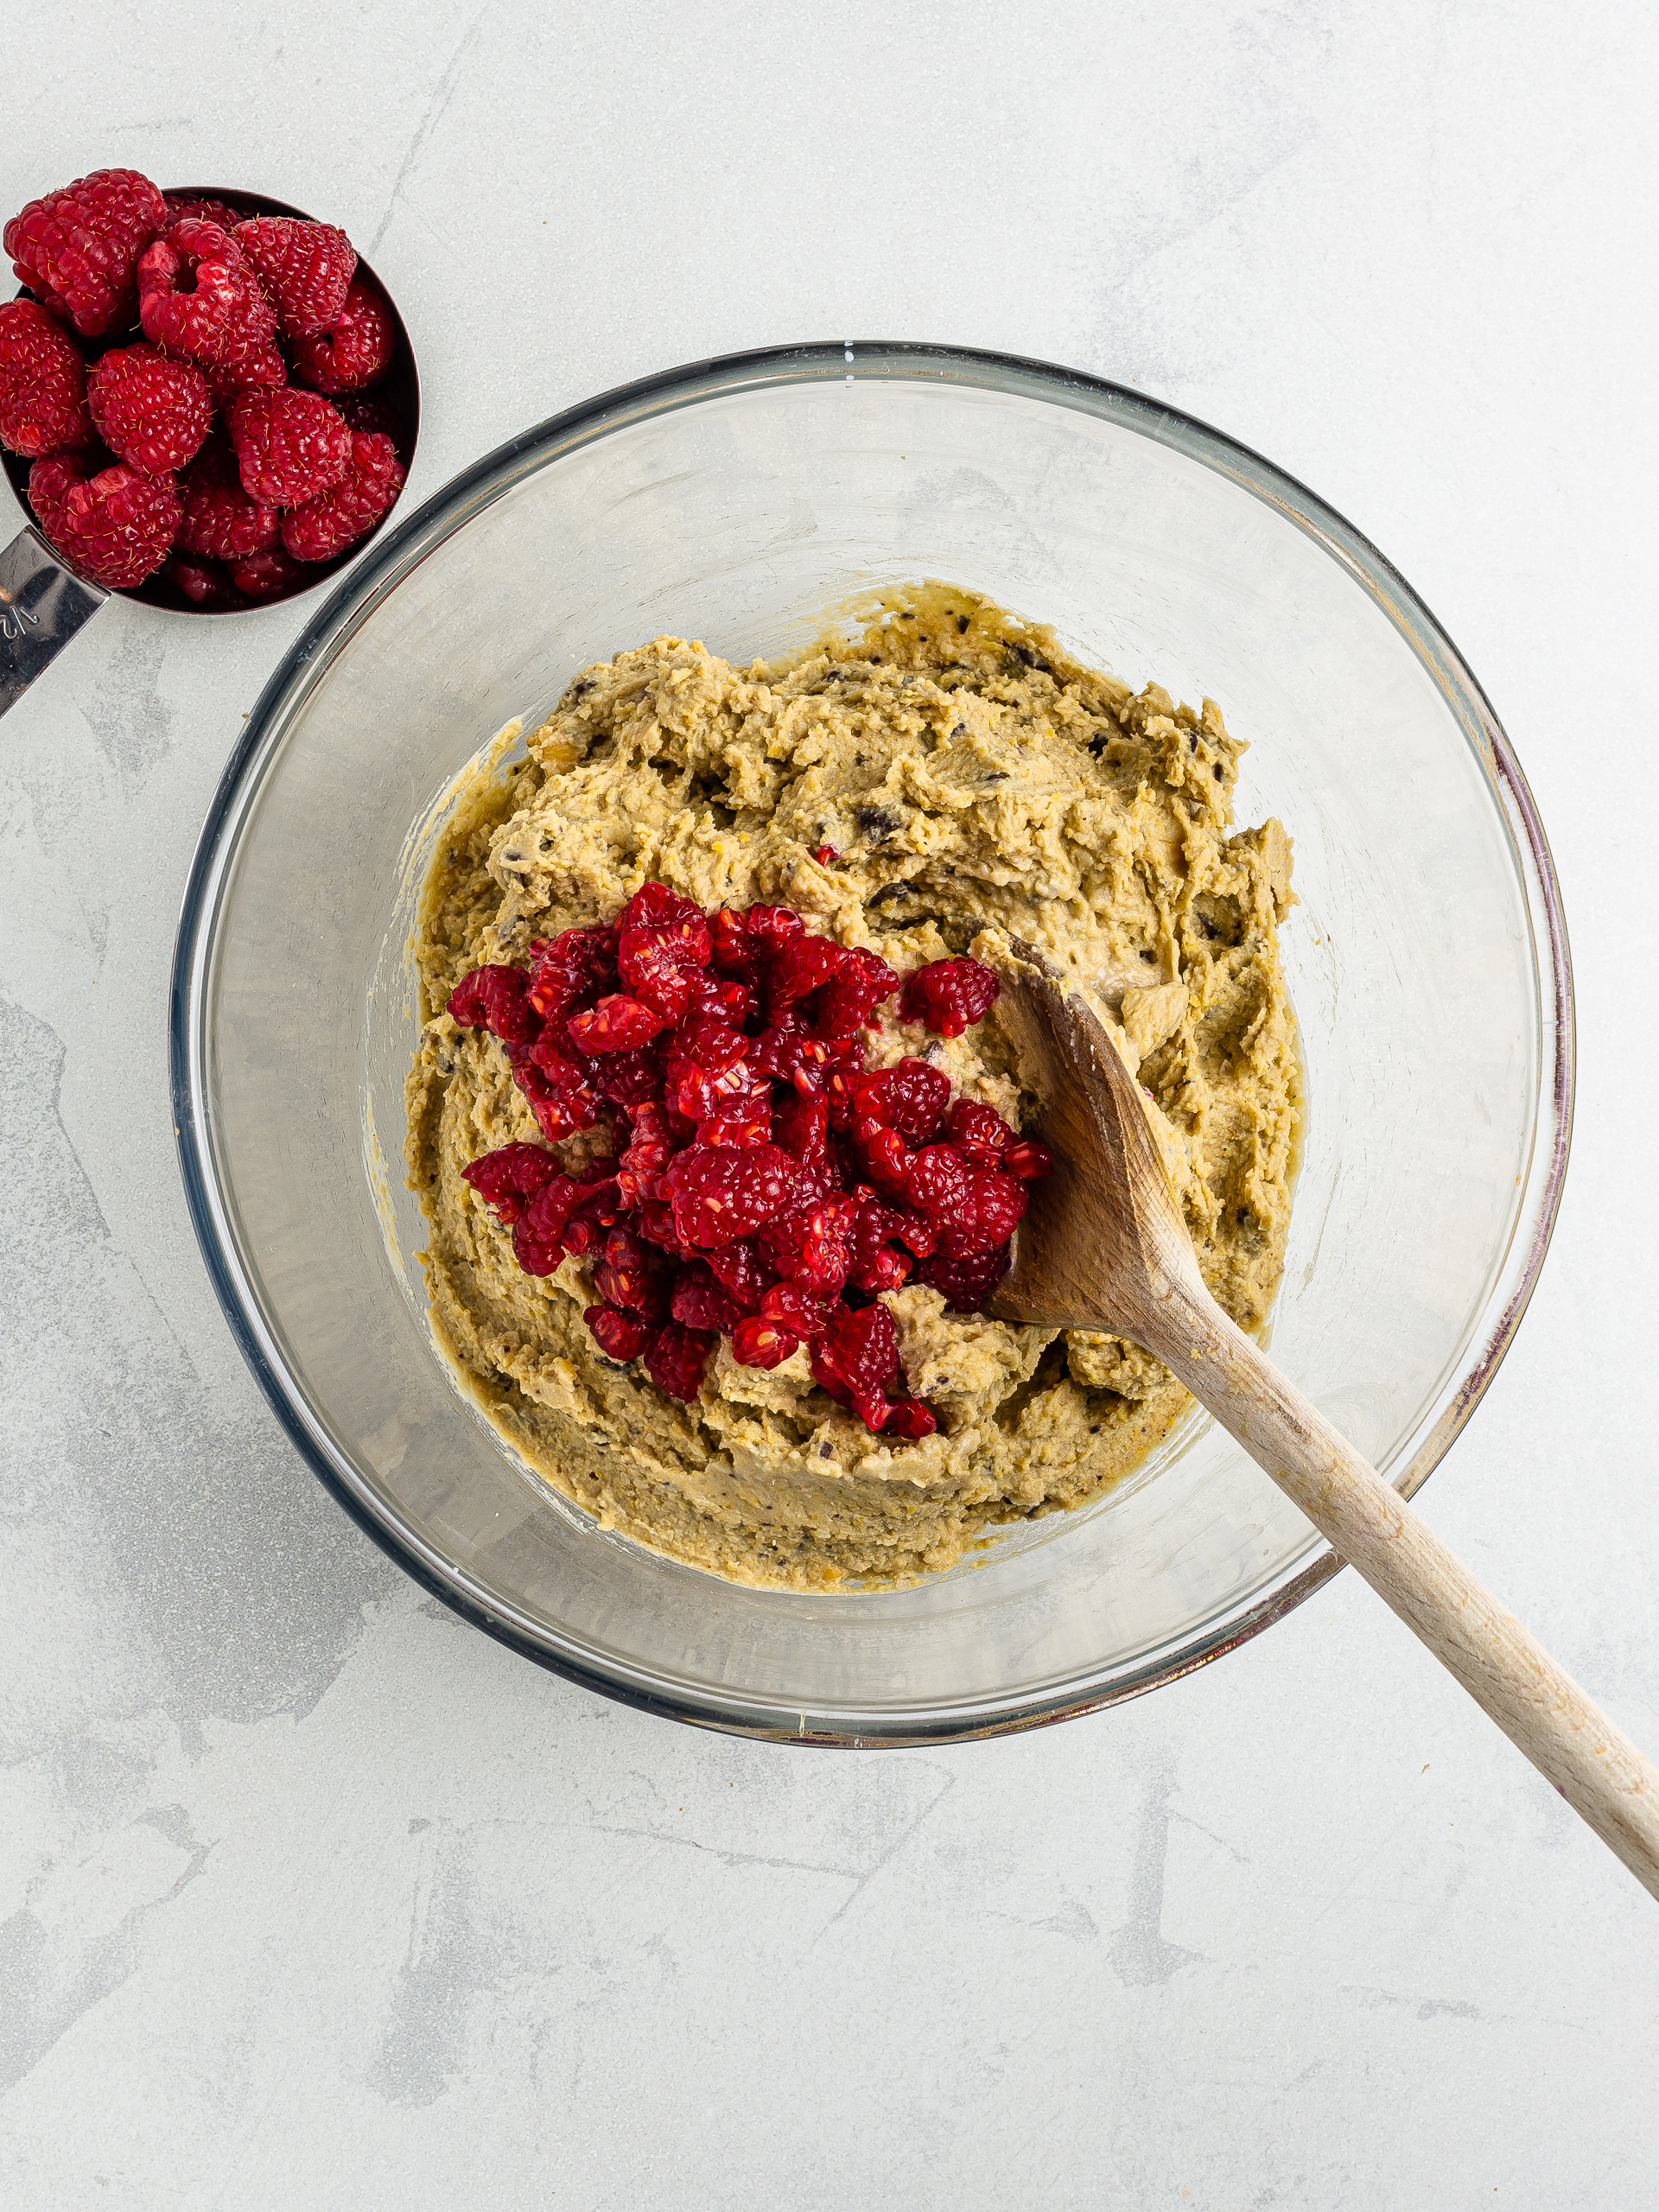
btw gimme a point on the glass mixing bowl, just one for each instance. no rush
(737, 501)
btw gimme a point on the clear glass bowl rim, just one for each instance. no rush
(399, 552)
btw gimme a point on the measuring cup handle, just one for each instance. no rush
(43, 604)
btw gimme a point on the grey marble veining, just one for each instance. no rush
(311, 1897)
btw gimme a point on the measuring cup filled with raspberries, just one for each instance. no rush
(207, 402)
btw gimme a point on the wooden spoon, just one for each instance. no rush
(1104, 1246)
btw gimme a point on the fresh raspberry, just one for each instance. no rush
(203, 582)
(267, 574)
(948, 995)
(654, 906)
(117, 527)
(263, 366)
(757, 1342)
(847, 1001)
(353, 351)
(732, 954)
(544, 1230)
(496, 998)
(910, 1097)
(620, 1337)
(507, 1179)
(289, 445)
(884, 1156)
(337, 517)
(306, 270)
(148, 411)
(198, 295)
(628, 1276)
(966, 1283)
(701, 1302)
(219, 519)
(77, 249)
(373, 417)
(812, 1246)
(856, 1358)
(718, 1194)
(182, 204)
(676, 1357)
(42, 384)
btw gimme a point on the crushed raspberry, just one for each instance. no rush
(676, 1357)
(264, 575)
(496, 999)
(570, 969)
(508, 1178)
(701, 1301)
(1028, 1159)
(948, 995)
(77, 249)
(824, 855)
(117, 526)
(198, 296)
(628, 1276)
(352, 351)
(911, 1418)
(148, 411)
(615, 1025)
(910, 1097)
(721, 1191)
(220, 519)
(43, 384)
(326, 525)
(757, 1342)
(855, 1359)
(761, 1176)
(965, 1284)
(620, 1337)
(305, 268)
(847, 1001)
(289, 445)
(979, 1133)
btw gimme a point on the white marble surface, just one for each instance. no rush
(310, 1896)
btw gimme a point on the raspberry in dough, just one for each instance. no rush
(117, 526)
(42, 384)
(306, 269)
(353, 351)
(219, 520)
(337, 517)
(148, 411)
(289, 445)
(77, 250)
(198, 296)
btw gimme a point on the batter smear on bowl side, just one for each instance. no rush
(718, 1138)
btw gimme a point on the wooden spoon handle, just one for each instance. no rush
(1540, 1708)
